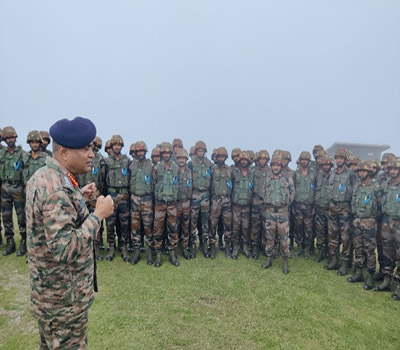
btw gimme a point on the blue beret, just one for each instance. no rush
(76, 133)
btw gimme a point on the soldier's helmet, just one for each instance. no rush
(317, 148)
(286, 155)
(155, 151)
(395, 163)
(235, 152)
(263, 154)
(166, 147)
(116, 139)
(107, 145)
(45, 135)
(251, 155)
(244, 155)
(376, 164)
(182, 153)
(387, 157)
(34, 135)
(341, 152)
(177, 142)
(354, 159)
(132, 148)
(221, 151)
(305, 155)
(191, 151)
(327, 159)
(277, 157)
(364, 165)
(9, 131)
(98, 141)
(200, 145)
(140, 146)
(214, 152)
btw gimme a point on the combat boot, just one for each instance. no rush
(357, 276)
(110, 255)
(228, 253)
(235, 251)
(307, 253)
(379, 276)
(396, 290)
(246, 252)
(385, 285)
(22, 248)
(205, 249)
(172, 258)
(369, 283)
(268, 263)
(255, 252)
(193, 251)
(149, 259)
(130, 246)
(212, 251)
(10, 247)
(220, 243)
(158, 258)
(333, 264)
(320, 255)
(344, 268)
(125, 255)
(285, 266)
(136, 256)
(185, 253)
(300, 250)
(97, 251)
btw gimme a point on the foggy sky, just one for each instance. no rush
(250, 74)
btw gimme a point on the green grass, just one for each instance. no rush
(213, 304)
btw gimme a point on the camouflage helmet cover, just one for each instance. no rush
(244, 155)
(251, 155)
(365, 165)
(140, 146)
(305, 155)
(277, 157)
(9, 131)
(387, 157)
(107, 145)
(199, 145)
(166, 147)
(354, 159)
(45, 134)
(286, 155)
(156, 151)
(116, 139)
(177, 142)
(34, 135)
(341, 152)
(98, 141)
(395, 163)
(182, 153)
(191, 152)
(317, 148)
(263, 154)
(132, 148)
(235, 152)
(221, 151)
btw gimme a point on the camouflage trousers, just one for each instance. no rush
(277, 224)
(169, 211)
(391, 246)
(121, 213)
(321, 227)
(142, 211)
(200, 204)
(258, 223)
(379, 221)
(364, 242)
(221, 207)
(183, 221)
(240, 223)
(13, 195)
(303, 216)
(339, 219)
(65, 335)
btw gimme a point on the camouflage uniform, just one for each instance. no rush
(32, 164)
(46, 137)
(60, 257)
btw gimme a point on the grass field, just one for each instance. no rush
(213, 304)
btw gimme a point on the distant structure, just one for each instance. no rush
(365, 151)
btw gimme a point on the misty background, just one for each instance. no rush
(255, 74)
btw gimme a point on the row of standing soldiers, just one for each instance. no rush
(173, 201)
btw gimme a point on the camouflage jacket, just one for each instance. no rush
(60, 234)
(11, 165)
(31, 165)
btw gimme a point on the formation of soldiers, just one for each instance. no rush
(169, 201)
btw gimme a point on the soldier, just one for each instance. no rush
(242, 193)
(200, 166)
(391, 231)
(183, 203)
(12, 190)
(117, 182)
(340, 192)
(96, 175)
(107, 148)
(165, 175)
(177, 144)
(321, 208)
(141, 189)
(45, 142)
(286, 159)
(235, 155)
(155, 155)
(221, 202)
(261, 175)
(366, 195)
(60, 235)
(303, 205)
(132, 150)
(353, 162)
(279, 194)
(35, 158)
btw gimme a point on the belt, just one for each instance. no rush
(395, 218)
(145, 197)
(341, 204)
(117, 190)
(277, 209)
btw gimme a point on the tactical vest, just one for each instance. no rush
(340, 188)
(185, 184)
(242, 187)
(391, 200)
(322, 190)
(201, 173)
(364, 202)
(141, 182)
(95, 174)
(31, 165)
(277, 192)
(166, 188)
(117, 172)
(260, 181)
(305, 186)
(221, 181)
(11, 165)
